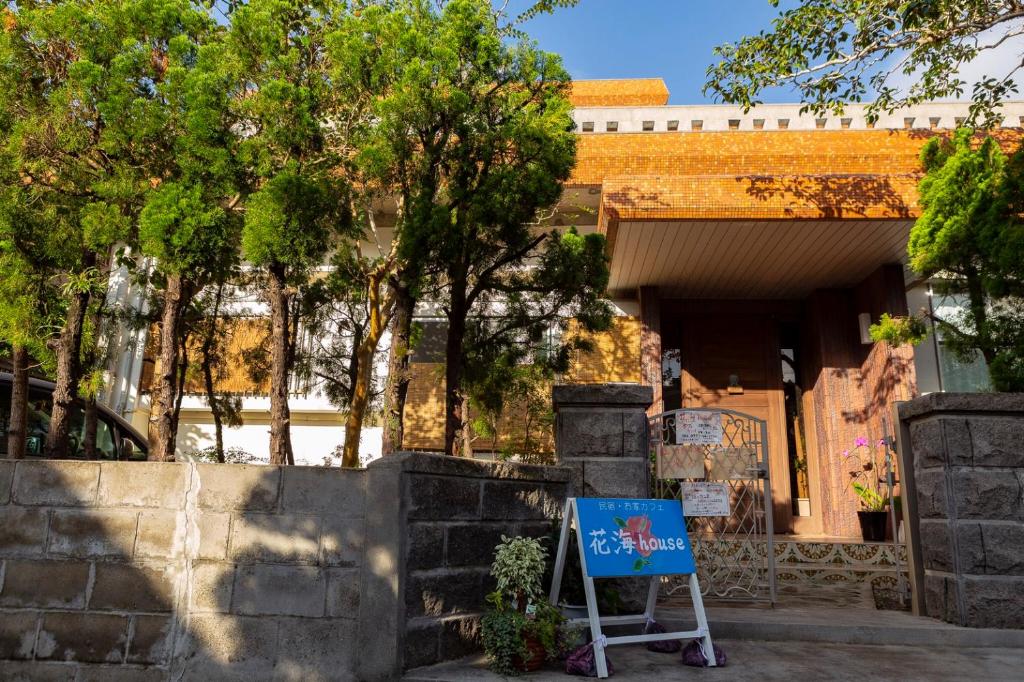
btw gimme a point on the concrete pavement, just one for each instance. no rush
(759, 661)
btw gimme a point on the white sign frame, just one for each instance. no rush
(595, 620)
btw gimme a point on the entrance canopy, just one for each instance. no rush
(750, 259)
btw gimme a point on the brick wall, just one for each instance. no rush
(967, 455)
(153, 570)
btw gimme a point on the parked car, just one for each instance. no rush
(115, 438)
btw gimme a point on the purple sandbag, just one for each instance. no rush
(693, 654)
(664, 646)
(583, 661)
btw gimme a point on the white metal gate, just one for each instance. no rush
(705, 456)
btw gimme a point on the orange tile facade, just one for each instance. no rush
(632, 92)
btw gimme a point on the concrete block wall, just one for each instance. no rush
(968, 464)
(124, 570)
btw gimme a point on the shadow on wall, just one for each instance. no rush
(834, 196)
(179, 571)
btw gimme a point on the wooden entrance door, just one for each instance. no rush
(721, 350)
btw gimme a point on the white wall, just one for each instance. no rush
(311, 443)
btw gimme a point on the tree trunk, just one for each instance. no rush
(364, 373)
(89, 365)
(453, 397)
(167, 381)
(398, 370)
(89, 438)
(179, 391)
(207, 362)
(280, 354)
(68, 375)
(978, 302)
(17, 428)
(467, 430)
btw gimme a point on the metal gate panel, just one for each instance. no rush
(735, 553)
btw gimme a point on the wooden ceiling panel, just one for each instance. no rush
(752, 259)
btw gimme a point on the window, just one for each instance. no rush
(588, 126)
(908, 122)
(758, 124)
(648, 126)
(433, 335)
(673, 125)
(734, 124)
(844, 123)
(819, 123)
(611, 126)
(696, 125)
(783, 124)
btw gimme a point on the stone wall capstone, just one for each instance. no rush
(968, 467)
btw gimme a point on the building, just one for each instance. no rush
(749, 253)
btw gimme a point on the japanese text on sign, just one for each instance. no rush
(705, 499)
(699, 428)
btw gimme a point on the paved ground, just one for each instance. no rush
(783, 661)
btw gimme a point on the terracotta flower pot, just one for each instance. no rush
(536, 657)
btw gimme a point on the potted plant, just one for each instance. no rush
(868, 483)
(520, 629)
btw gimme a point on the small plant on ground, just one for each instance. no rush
(520, 626)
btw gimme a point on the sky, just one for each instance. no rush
(674, 40)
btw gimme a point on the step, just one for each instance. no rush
(837, 625)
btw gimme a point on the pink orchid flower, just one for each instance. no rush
(860, 442)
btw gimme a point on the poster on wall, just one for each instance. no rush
(705, 499)
(698, 428)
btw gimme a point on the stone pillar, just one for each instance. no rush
(601, 431)
(966, 452)
(650, 346)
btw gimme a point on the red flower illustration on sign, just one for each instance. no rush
(638, 530)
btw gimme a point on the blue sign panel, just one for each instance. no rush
(633, 537)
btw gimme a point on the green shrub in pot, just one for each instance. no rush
(520, 628)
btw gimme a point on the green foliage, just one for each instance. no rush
(871, 499)
(968, 237)
(897, 331)
(291, 220)
(184, 231)
(502, 637)
(839, 51)
(518, 567)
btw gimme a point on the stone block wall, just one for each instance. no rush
(968, 471)
(125, 570)
(450, 514)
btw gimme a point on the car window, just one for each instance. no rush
(106, 447)
(40, 403)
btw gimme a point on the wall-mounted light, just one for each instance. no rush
(864, 322)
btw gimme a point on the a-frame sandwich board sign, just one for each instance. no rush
(629, 538)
